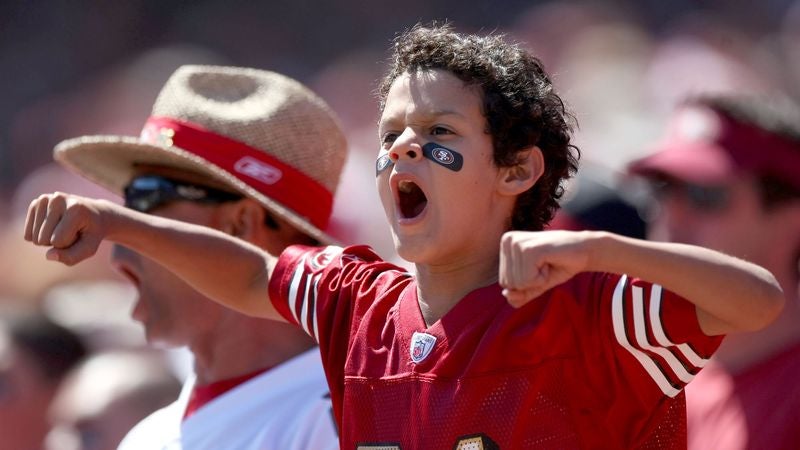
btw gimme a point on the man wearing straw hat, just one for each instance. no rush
(258, 156)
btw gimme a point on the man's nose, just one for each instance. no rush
(670, 217)
(125, 261)
(121, 254)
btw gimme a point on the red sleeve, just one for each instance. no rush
(312, 286)
(640, 346)
(652, 335)
(326, 290)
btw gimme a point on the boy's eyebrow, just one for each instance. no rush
(444, 112)
(425, 115)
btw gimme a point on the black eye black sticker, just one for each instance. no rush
(443, 156)
(435, 152)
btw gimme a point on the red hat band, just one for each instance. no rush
(264, 173)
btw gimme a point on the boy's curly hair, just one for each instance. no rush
(521, 106)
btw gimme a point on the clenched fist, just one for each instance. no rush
(73, 226)
(532, 262)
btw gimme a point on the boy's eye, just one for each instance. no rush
(388, 138)
(440, 130)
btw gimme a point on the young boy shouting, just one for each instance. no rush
(505, 336)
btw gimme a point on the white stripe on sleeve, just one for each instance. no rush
(304, 310)
(618, 319)
(314, 309)
(641, 338)
(661, 337)
(297, 276)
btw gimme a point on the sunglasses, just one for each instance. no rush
(148, 192)
(698, 197)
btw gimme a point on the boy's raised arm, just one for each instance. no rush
(730, 294)
(223, 268)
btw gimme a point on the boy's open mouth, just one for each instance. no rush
(411, 199)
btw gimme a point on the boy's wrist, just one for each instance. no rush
(113, 219)
(599, 246)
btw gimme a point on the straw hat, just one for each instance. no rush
(259, 132)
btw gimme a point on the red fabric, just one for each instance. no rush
(202, 395)
(705, 147)
(270, 176)
(755, 409)
(552, 374)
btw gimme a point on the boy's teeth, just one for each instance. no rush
(405, 186)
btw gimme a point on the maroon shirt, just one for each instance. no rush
(598, 362)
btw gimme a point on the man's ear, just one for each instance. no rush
(516, 179)
(250, 221)
(242, 218)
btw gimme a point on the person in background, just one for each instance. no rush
(105, 396)
(35, 356)
(727, 177)
(258, 156)
(595, 202)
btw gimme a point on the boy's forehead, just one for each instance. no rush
(432, 93)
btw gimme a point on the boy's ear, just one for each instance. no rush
(520, 177)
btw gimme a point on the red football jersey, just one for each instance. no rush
(597, 362)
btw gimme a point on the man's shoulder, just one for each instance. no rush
(274, 408)
(297, 381)
(156, 430)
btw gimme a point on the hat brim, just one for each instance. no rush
(699, 163)
(111, 161)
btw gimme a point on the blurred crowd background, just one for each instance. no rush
(83, 67)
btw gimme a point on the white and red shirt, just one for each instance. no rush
(286, 407)
(598, 362)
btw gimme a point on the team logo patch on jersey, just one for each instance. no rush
(476, 442)
(421, 346)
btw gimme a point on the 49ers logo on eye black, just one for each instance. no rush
(382, 164)
(443, 156)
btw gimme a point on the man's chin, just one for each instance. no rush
(161, 342)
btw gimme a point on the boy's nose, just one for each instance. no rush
(406, 146)
(412, 152)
